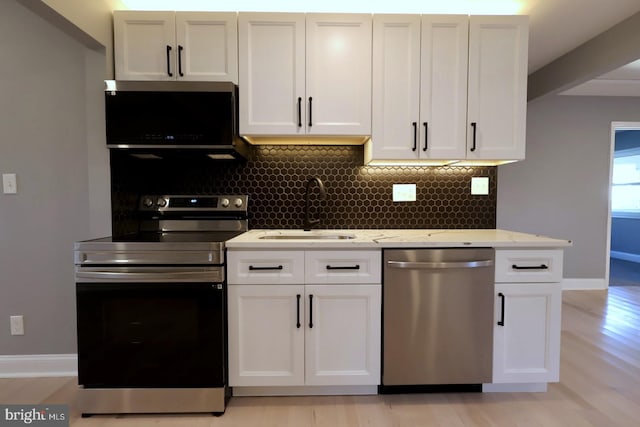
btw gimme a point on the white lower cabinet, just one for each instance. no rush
(304, 334)
(266, 348)
(342, 335)
(526, 341)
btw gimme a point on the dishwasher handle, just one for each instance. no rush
(439, 265)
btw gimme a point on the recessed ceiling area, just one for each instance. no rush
(624, 81)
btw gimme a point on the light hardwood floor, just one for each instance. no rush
(600, 386)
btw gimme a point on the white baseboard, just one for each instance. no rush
(584, 284)
(38, 365)
(626, 256)
(514, 388)
(306, 391)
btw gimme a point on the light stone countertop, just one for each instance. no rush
(390, 238)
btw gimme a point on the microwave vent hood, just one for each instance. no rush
(166, 119)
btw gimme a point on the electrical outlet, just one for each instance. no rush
(480, 185)
(404, 192)
(17, 325)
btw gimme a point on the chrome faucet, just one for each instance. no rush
(308, 223)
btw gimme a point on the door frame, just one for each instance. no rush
(614, 127)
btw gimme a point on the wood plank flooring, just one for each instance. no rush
(600, 386)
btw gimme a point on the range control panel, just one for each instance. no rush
(182, 203)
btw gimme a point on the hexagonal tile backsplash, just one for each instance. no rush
(275, 176)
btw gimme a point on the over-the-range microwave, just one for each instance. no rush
(158, 119)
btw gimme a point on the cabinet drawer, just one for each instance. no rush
(342, 267)
(528, 266)
(265, 267)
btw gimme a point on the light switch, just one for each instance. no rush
(480, 185)
(9, 185)
(404, 192)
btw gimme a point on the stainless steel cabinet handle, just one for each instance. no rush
(439, 265)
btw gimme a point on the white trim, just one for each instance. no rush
(306, 390)
(584, 284)
(515, 387)
(614, 126)
(626, 256)
(38, 365)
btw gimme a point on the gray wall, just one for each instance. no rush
(562, 187)
(49, 134)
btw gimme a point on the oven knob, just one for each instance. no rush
(161, 202)
(147, 202)
(237, 203)
(224, 203)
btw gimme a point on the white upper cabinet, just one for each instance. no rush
(497, 98)
(338, 78)
(305, 74)
(449, 87)
(272, 73)
(175, 46)
(419, 86)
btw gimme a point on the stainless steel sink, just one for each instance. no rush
(308, 236)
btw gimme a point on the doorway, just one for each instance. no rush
(624, 207)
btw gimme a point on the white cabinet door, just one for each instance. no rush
(266, 335)
(207, 44)
(527, 344)
(419, 87)
(497, 94)
(144, 45)
(175, 46)
(338, 74)
(395, 130)
(272, 73)
(443, 86)
(342, 341)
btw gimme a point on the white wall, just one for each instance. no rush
(50, 132)
(562, 187)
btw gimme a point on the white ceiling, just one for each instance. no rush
(556, 26)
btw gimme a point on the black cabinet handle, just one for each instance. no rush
(180, 49)
(298, 312)
(426, 136)
(415, 136)
(252, 268)
(169, 61)
(501, 322)
(310, 111)
(299, 112)
(530, 267)
(310, 311)
(474, 126)
(348, 267)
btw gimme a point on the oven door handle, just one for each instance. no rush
(156, 275)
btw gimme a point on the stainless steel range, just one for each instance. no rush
(151, 309)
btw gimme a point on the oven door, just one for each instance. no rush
(133, 334)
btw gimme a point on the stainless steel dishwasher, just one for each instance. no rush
(437, 317)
